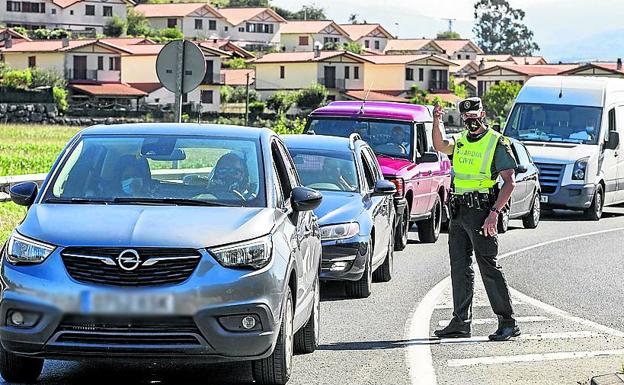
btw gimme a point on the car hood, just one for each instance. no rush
(339, 207)
(145, 226)
(559, 153)
(393, 166)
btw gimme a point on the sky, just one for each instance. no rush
(566, 30)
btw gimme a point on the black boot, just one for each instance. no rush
(454, 330)
(505, 333)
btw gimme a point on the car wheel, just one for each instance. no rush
(594, 212)
(429, 229)
(307, 338)
(16, 368)
(503, 222)
(277, 368)
(531, 220)
(402, 231)
(362, 287)
(384, 272)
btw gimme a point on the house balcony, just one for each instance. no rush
(73, 74)
(214, 78)
(438, 85)
(333, 83)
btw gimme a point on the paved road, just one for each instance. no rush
(568, 295)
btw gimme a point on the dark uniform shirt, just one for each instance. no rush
(503, 156)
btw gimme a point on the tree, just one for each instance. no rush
(235, 63)
(499, 98)
(353, 46)
(115, 27)
(419, 96)
(448, 35)
(41, 34)
(307, 12)
(137, 23)
(249, 3)
(312, 97)
(499, 29)
(281, 101)
(459, 90)
(239, 94)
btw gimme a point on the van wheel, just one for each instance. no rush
(16, 368)
(503, 222)
(594, 212)
(402, 231)
(384, 272)
(277, 368)
(429, 229)
(531, 220)
(362, 288)
(307, 338)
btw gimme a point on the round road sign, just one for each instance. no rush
(180, 66)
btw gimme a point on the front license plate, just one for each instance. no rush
(543, 199)
(128, 303)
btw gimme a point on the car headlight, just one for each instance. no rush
(340, 231)
(254, 254)
(22, 250)
(580, 169)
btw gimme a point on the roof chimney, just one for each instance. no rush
(65, 42)
(619, 64)
(8, 43)
(482, 64)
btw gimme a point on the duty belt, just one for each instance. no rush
(473, 200)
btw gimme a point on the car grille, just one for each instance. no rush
(158, 266)
(550, 176)
(123, 332)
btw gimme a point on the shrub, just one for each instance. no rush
(256, 108)
(235, 63)
(59, 33)
(239, 94)
(137, 24)
(21, 30)
(419, 96)
(115, 27)
(226, 94)
(281, 101)
(353, 46)
(171, 34)
(312, 97)
(41, 34)
(284, 126)
(15, 79)
(47, 78)
(60, 98)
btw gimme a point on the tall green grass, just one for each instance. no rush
(10, 215)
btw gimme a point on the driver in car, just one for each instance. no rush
(230, 176)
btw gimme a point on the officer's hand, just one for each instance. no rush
(437, 112)
(490, 224)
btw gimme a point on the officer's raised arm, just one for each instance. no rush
(440, 143)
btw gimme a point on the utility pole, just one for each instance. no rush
(247, 101)
(450, 23)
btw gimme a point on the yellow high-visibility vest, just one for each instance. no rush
(472, 163)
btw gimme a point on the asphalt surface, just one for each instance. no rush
(561, 292)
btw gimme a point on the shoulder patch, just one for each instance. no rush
(505, 141)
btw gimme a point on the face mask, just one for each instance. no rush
(472, 124)
(589, 129)
(130, 185)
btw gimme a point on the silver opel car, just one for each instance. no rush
(154, 241)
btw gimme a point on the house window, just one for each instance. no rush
(347, 72)
(225, 28)
(212, 25)
(304, 40)
(377, 44)
(421, 74)
(71, 11)
(467, 57)
(356, 72)
(206, 96)
(100, 63)
(199, 24)
(114, 63)
(53, 11)
(260, 27)
(241, 29)
(32, 61)
(409, 74)
(458, 57)
(90, 10)
(366, 43)
(172, 23)
(14, 6)
(282, 72)
(107, 11)
(331, 40)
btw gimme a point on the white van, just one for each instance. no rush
(571, 126)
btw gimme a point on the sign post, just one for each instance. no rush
(181, 68)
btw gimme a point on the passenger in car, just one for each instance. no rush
(230, 175)
(134, 176)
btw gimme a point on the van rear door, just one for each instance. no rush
(611, 162)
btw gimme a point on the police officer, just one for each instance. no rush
(480, 155)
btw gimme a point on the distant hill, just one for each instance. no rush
(607, 46)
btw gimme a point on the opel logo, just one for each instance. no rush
(128, 260)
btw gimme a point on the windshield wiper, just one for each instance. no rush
(388, 156)
(171, 201)
(77, 201)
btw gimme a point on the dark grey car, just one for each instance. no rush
(149, 241)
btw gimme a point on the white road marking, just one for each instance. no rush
(528, 337)
(449, 306)
(532, 357)
(494, 321)
(418, 356)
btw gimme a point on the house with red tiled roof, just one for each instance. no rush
(227, 46)
(611, 69)
(370, 36)
(9, 36)
(413, 47)
(76, 15)
(194, 20)
(458, 49)
(252, 28)
(306, 35)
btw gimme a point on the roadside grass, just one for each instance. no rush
(10, 215)
(31, 149)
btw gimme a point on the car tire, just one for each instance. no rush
(307, 338)
(402, 231)
(594, 212)
(503, 222)
(16, 368)
(384, 272)
(429, 229)
(531, 220)
(277, 368)
(362, 287)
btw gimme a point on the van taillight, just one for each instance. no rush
(400, 187)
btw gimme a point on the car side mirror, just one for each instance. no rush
(24, 193)
(521, 169)
(614, 141)
(384, 187)
(305, 199)
(428, 157)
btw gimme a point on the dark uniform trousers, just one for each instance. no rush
(464, 237)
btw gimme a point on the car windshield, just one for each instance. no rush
(161, 170)
(386, 138)
(554, 123)
(326, 170)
